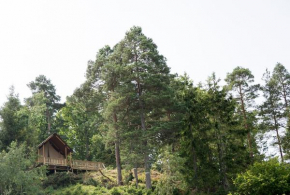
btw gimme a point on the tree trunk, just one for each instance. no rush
(48, 122)
(147, 172)
(285, 101)
(143, 126)
(285, 96)
(118, 163)
(117, 153)
(87, 145)
(223, 168)
(246, 121)
(136, 175)
(194, 156)
(278, 137)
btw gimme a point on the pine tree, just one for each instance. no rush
(104, 76)
(240, 82)
(282, 77)
(282, 80)
(147, 76)
(42, 84)
(272, 108)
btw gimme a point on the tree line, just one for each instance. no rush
(132, 112)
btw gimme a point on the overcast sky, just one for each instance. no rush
(57, 37)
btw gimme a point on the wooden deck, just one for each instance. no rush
(71, 164)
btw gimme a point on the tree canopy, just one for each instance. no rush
(132, 113)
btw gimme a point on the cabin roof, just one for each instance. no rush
(56, 141)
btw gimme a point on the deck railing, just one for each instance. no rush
(74, 164)
(86, 165)
(52, 161)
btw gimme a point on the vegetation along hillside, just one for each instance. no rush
(155, 131)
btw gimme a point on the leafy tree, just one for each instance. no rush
(11, 124)
(42, 84)
(240, 82)
(18, 176)
(172, 180)
(81, 120)
(35, 109)
(268, 177)
(100, 151)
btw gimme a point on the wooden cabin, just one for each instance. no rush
(57, 155)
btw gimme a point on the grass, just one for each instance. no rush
(102, 185)
(112, 174)
(91, 190)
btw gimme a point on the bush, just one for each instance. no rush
(62, 179)
(115, 191)
(17, 174)
(91, 182)
(270, 177)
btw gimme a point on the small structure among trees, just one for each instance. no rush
(57, 155)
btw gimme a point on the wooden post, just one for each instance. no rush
(65, 154)
(43, 154)
(38, 156)
(54, 169)
(71, 161)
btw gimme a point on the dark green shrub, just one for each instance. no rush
(115, 191)
(16, 173)
(129, 178)
(270, 177)
(61, 179)
(91, 181)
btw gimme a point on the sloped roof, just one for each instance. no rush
(56, 142)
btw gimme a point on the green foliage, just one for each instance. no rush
(282, 77)
(17, 172)
(172, 180)
(100, 151)
(61, 179)
(271, 110)
(240, 83)
(50, 99)
(131, 112)
(269, 177)
(89, 189)
(34, 109)
(11, 123)
(91, 182)
(80, 121)
(211, 141)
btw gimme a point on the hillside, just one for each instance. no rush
(96, 183)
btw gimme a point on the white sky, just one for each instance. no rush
(57, 37)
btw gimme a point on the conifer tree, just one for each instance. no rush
(10, 125)
(211, 140)
(240, 82)
(145, 79)
(42, 84)
(104, 76)
(272, 109)
(282, 77)
(282, 80)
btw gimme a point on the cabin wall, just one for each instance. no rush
(49, 151)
